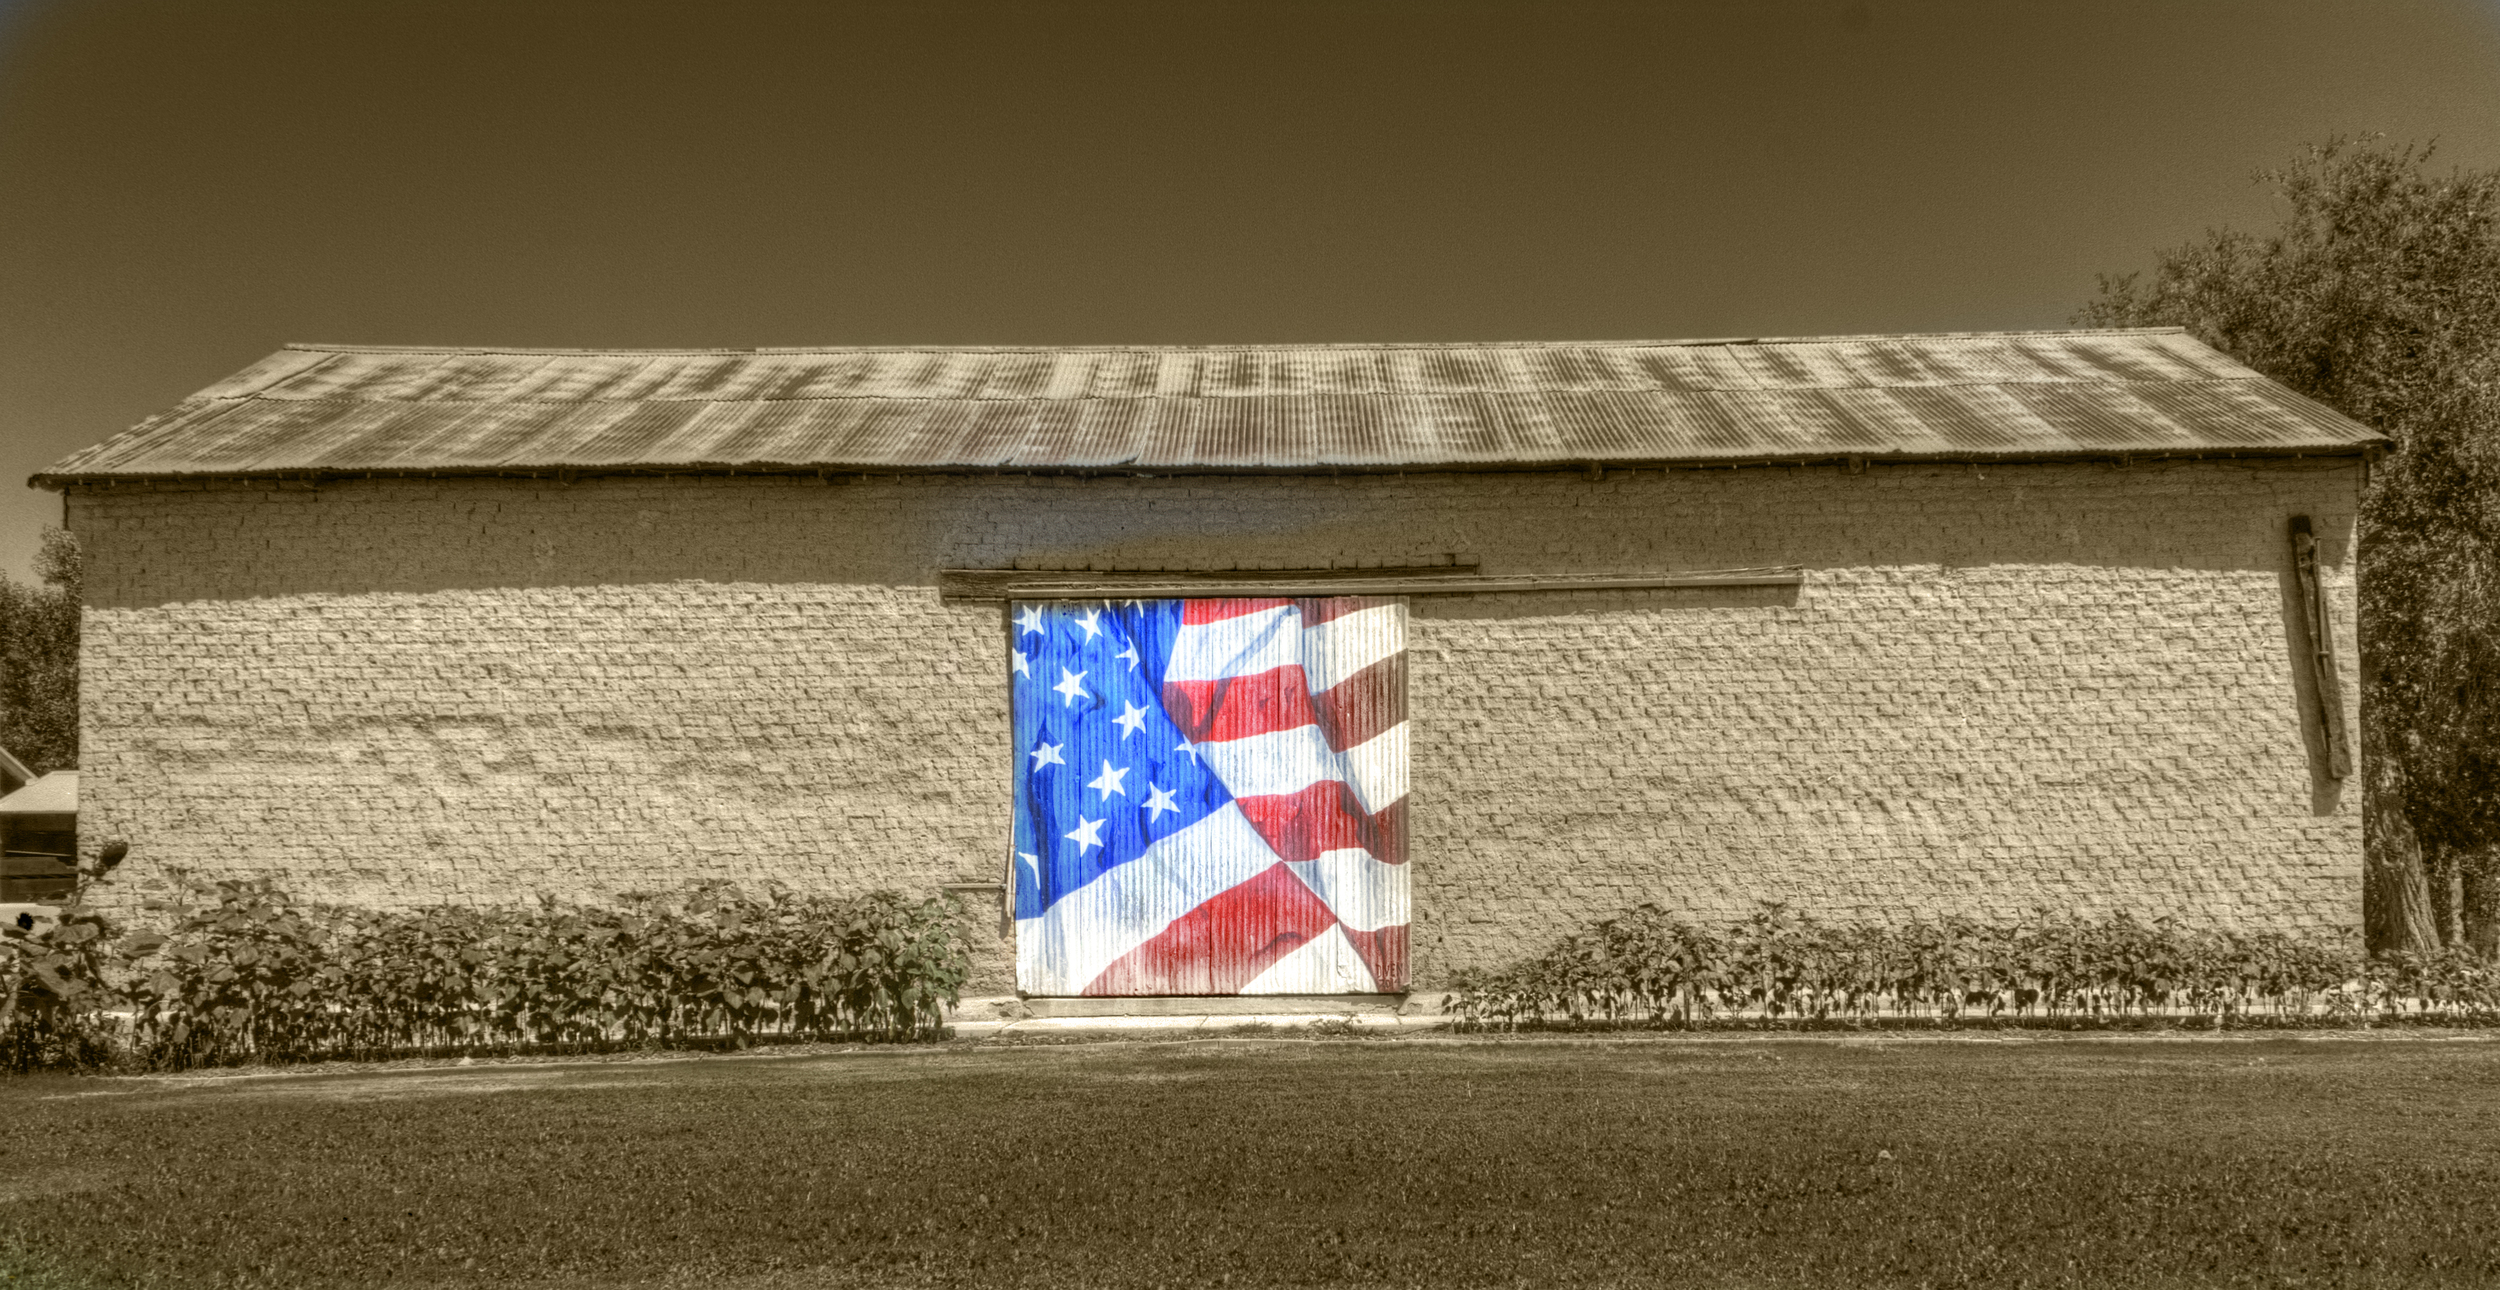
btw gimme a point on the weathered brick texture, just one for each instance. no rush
(2072, 686)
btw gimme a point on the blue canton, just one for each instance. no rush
(1102, 774)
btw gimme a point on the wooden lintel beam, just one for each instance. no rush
(1015, 584)
(1070, 584)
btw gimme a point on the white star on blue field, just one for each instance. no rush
(1101, 772)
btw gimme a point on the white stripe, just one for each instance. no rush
(1273, 638)
(1341, 647)
(1088, 929)
(1288, 761)
(1324, 964)
(1363, 893)
(1377, 768)
(1243, 646)
(1280, 761)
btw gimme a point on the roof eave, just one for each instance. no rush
(1239, 347)
(2121, 456)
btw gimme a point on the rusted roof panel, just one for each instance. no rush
(312, 409)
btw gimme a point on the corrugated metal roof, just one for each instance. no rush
(313, 409)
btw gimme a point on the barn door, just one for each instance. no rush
(1210, 796)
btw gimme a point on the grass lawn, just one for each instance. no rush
(1247, 1163)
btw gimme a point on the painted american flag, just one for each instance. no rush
(1210, 796)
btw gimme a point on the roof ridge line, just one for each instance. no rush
(1234, 348)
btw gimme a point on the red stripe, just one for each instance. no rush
(1389, 823)
(1198, 613)
(1315, 609)
(1321, 609)
(1325, 817)
(1363, 705)
(1384, 952)
(1223, 944)
(1237, 707)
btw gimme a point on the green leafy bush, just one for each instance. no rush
(54, 991)
(1649, 967)
(243, 972)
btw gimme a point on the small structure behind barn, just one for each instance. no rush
(14, 774)
(39, 839)
(1873, 627)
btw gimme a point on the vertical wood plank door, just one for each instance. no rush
(1210, 796)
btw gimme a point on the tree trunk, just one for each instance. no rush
(2480, 900)
(2447, 895)
(2397, 911)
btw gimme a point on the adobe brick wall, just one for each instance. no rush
(2073, 685)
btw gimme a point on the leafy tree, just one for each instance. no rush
(39, 658)
(2379, 295)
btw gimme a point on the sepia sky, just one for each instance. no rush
(186, 185)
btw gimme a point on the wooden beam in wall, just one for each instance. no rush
(1436, 580)
(1053, 584)
(2321, 633)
